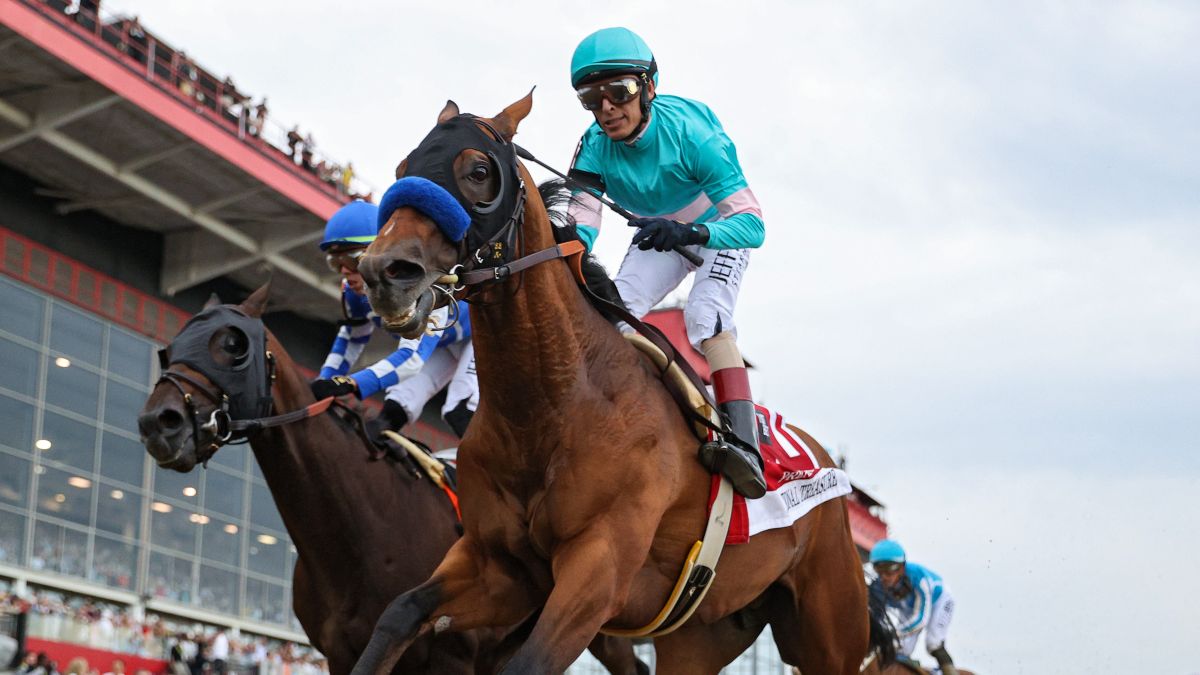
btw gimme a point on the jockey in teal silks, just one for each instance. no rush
(419, 368)
(668, 160)
(918, 595)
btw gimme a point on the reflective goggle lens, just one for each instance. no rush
(885, 567)
(618, 91)
(348, 259)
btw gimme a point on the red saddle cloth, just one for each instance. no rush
(796, 483)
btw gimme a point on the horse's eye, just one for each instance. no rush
(479, 173)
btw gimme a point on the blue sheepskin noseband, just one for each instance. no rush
(429, 198)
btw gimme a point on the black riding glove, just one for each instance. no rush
(391, 417)
(338, 385)
(662, 234)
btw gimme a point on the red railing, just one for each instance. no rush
(48, 270)
(126, 41)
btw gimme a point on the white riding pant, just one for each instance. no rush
(452, 366)
(935, 631)
(646, 277)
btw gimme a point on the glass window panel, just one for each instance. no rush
(122, 458)
(182, 487)
(218, 589)
(255, 469)
(232, 456)
(122, 405)
(171, 527)
(58, 548)
(118, 510)
(20, 368)
(76, 334)
(221, 541)
(266, 553)
(17, 430)
(223, 493)
(65, 495)
(14, 479)
(21, 312)
(262, 508)
(170, 577)
(71, 442)
(129, 356)
(264, 601)
(113, 563)
(12, 538)
(73, 388)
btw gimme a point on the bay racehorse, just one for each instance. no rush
(364, 530)
(581, 490)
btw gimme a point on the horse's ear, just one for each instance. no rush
(214, 300)
(257, 302)
(401, 168)
(508, 119)
(448, 113)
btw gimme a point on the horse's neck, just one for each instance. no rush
(534, 340)
(310, 469)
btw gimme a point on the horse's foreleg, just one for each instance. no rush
(587, 589)
(465, 592)
(697, 649)
(617, 656)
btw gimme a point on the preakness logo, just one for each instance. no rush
(797, 494)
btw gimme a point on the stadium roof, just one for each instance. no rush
(104, 133)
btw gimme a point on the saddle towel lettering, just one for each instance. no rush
(795, 483)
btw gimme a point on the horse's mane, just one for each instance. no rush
(557, 199)
(883, 633)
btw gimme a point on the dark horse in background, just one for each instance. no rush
(365, 531)
(581, 490)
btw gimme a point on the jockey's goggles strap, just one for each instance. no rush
(617, 92)
(347, 258)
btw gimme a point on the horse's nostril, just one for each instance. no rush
(170, 420)
(402, 270)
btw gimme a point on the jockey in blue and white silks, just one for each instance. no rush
(917, 597)
(418, 368)
(668, 160)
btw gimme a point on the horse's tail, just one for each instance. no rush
(883, 634)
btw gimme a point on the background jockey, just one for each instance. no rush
(668, 160)
(419, 368)
(918, 595)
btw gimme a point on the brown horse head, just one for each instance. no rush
(473, 163)
(181, 423)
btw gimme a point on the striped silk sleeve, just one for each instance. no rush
(347, 347)
(399, 365)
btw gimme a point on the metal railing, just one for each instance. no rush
(217, 99)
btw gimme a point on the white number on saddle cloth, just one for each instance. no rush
(796, 483)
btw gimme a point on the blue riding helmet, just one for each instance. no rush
(352, 225)
(612, 51)
(887, 550)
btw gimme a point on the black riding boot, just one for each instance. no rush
(459, 418)
(736, 455)
(944, 663)
(391, 418)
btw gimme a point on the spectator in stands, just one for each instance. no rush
(306, 152)
(118, 668)
(220, 652)
(293, 139)
(260, 118)
(29, 663)
(77, 666)
(346, 177)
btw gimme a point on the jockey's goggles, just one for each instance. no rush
(617, 92)
(347, 258)
(887, 567)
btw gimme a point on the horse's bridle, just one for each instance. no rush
(231, 422)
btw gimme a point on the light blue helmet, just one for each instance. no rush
(352, 225)
(612, 51)
(887, 550)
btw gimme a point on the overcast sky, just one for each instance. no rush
(981, 277)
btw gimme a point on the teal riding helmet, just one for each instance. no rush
(352, 225)
(887, 550)
(612, 51)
